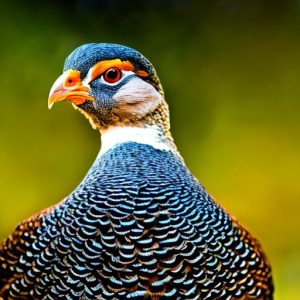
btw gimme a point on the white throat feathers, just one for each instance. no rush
(149, 135)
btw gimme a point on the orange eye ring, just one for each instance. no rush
(112, 75)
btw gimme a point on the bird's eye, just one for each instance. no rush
(112, 75)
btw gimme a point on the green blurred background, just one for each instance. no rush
(230, 70)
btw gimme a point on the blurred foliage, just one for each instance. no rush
(230, 70)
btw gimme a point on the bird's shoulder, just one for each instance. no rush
(19, 242)
(258, 264)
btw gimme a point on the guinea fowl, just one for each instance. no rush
(139, 225)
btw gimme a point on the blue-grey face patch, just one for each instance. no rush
(104, 93)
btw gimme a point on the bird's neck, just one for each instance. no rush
(150, 135)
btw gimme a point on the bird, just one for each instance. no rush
(139, 225)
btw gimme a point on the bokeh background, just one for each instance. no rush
(230, 70)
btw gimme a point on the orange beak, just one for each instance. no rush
(69, 87)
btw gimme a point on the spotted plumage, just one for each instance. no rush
(139, 226)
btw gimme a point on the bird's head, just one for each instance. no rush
(112, 85)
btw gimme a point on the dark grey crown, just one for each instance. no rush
(85, 56)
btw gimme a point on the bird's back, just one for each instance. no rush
(139, 226)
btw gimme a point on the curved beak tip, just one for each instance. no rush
(50, 105)
(56, 87)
